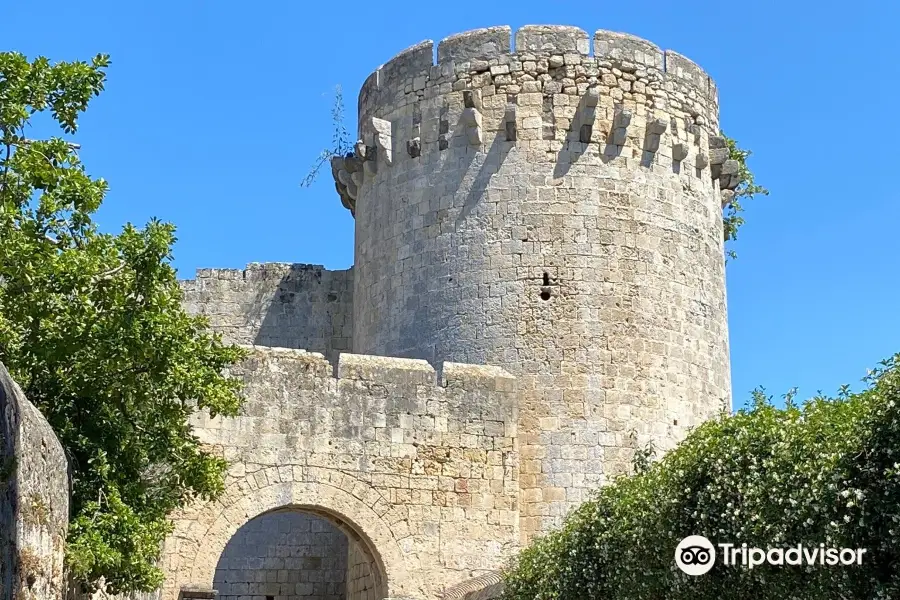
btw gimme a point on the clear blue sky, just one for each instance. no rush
(214, 112)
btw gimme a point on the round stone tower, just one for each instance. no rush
(555, 209)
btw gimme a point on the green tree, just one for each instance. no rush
(746, 189)
(92, 327)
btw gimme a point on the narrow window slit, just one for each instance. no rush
(545, 289)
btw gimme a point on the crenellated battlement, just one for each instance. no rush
(557, 90)
(467, 52)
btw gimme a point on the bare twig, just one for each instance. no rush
(340, 140)
(72, 145)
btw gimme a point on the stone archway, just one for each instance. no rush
(293, 554)
(200, 539)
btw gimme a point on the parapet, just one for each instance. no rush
(364, 394)
(387, 370)
(260, 271)
(480, 49)
(554, 84)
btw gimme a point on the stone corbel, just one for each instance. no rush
(471, 116)
(697, 131)
(347, 172)
(620, 127)
(366, 156)
(472, 121)
(702, 160)
(655, 129)
(729, 174)
(383, 139)
(727, 196)
(718, 154)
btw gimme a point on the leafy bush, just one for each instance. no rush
(825, 472)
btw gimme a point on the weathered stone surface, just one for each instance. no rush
(34, 500)
(727, 196)
(283, 305)
(475, 44)
(382, 138)
(552, 38)
(655, 129)
(472, 121)
(729, 174)
(347, 173)
(702, 160)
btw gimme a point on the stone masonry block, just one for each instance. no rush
(476, 377)
(34, 499)
(478, 44)
(414, 61)
(382, 136)
(622, 47)
(386, 370)
(557, 39)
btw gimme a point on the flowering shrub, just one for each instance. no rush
(824, 472)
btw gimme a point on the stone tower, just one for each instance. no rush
(538, 290)
(554, 209)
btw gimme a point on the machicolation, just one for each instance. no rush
(550, 208)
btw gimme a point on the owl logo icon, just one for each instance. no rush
(695, 555)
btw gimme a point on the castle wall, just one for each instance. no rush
(276, 304)
(34, 500)
(419, 470)
(289, 555)
(552, 211)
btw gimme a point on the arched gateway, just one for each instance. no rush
(199, 543)
(409, 484)
(293, 554)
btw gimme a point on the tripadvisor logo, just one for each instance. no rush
(696, 555)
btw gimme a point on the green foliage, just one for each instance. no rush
(827, 471)
(732, 219)
(92, 328)
(340, 139)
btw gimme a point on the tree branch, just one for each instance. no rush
(108, 274)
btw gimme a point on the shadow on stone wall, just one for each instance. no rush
(34, 500)
(307, 308)
(280, 305)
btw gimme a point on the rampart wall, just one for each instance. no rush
(276, 304)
